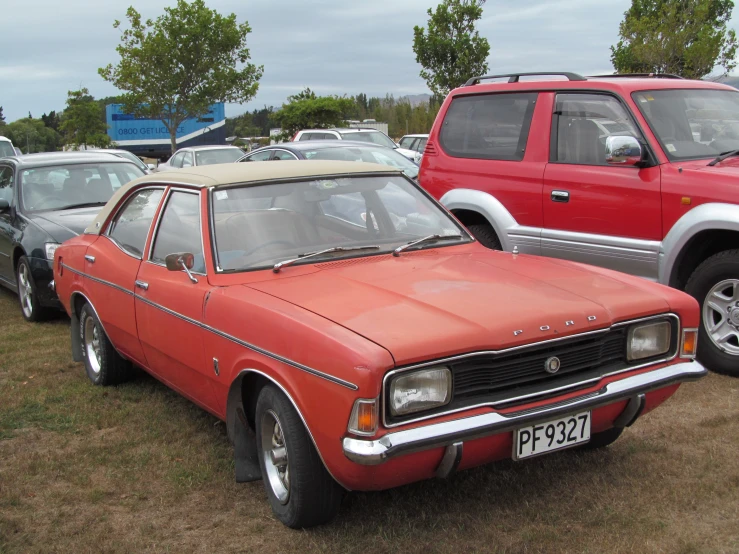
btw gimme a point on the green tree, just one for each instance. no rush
(81, 123)
(31, 135)
(685, 37)
(52, 121)
(173, 68)
(451, 51)
(305, 110)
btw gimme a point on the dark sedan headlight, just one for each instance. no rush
(420, 390)
(648, 340)
(50, 248)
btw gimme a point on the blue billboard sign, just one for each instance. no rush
(146, 136)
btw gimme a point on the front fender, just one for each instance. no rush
(713, 216)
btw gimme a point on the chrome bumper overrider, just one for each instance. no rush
(373, 452)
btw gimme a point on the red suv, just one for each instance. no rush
(637, 173)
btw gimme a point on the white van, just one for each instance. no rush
(6, 147)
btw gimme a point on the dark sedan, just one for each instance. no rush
(46, 199)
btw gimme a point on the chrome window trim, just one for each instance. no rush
(390, 374)
(114, 217)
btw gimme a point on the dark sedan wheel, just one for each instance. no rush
(30, 306)
(300, 490)
(103, 364)
(715, 285)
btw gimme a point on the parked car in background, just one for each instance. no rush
(6, 147)
(361, 357)
(124, 154)
(344, 150)
(417, 143)
(372, 136)
(18, 151)
(195, 156)
(637, 173)
(46, 199)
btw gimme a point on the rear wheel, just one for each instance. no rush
(486, 236)
(103, 364)
(715, 285)
(30, 306)
(300, 490)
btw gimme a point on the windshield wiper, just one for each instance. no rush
(336, 249)
(723, 156)
(84, 205)
(429, 238)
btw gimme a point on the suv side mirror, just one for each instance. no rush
(4, 205)
(623, 150)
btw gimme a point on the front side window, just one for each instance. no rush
(218, 156)
(179, 229)
(261, 156)
(73, 186)
(176, 160)
(488, 126)
(583, 122)
(692, 124)
(187, 159)
(257, 226)
(131, 226)
(284, 155)
(406, 142)
(6, 184)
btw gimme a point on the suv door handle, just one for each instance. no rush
(560, 196)
(142, 285)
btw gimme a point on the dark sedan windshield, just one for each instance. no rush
(692, 123)
(372, 154)
(218, 156)
(258, 226)
(63, 186)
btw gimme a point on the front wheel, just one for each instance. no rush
(715, 285)
(300, 490)
(30, 306)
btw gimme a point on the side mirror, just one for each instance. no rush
(623, 150)
(181, 261)
(4, 205)
(151, 167)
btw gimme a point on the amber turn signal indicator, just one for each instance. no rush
(363, 420)
(689, 343)
(685, 201)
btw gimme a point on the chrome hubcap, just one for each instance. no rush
(25, 290)
(92, 344)
(274, 451)
(721, 316)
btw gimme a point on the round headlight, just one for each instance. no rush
(420, 390)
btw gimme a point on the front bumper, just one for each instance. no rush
(43, 276)
(373, 452)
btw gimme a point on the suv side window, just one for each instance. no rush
(581, 125)
(179, 230)
(131, 226)
(488, 126)
(6, 184)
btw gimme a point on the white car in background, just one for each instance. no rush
(372, 136)
(193, 156)
(6, 147)
(416, 143)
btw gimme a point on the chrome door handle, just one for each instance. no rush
(560, 196)
(90, 259)
(142, 285)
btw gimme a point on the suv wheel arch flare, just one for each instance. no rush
(487, 206)
(241, 432)
(706, 217)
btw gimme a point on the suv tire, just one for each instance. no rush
(716, 280)
(485, 235)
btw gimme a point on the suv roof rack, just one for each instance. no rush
(514, 77)
(647, 75)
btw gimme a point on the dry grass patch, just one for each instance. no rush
(137, 468)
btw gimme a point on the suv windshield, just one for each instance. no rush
(258, 226)
(63, 186)
(218, 156)
(6, 148)
(372, 154)
(369, 136)
(694, 123)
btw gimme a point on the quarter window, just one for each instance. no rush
(583, 122)
(131, 226)
(179, 230)
(488, 126)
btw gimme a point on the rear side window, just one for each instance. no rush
(131, 226)
(488, 126)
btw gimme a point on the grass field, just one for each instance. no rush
(139, 469)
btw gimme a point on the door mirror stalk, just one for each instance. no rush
(181, 261)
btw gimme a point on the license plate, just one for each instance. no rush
(551, 435)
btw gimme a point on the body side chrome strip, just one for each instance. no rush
(97, 280)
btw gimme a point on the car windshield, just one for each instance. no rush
(692, 124)
(218, 156)
(258, 226)
(6, 148)
(372, 154)
(64, 186)
(369, 136)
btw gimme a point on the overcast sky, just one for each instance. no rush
(333, 46)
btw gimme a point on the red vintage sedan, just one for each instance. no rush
(353, 335)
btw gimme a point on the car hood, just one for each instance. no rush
(730, 166)
(65, 224)
(433, 303)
